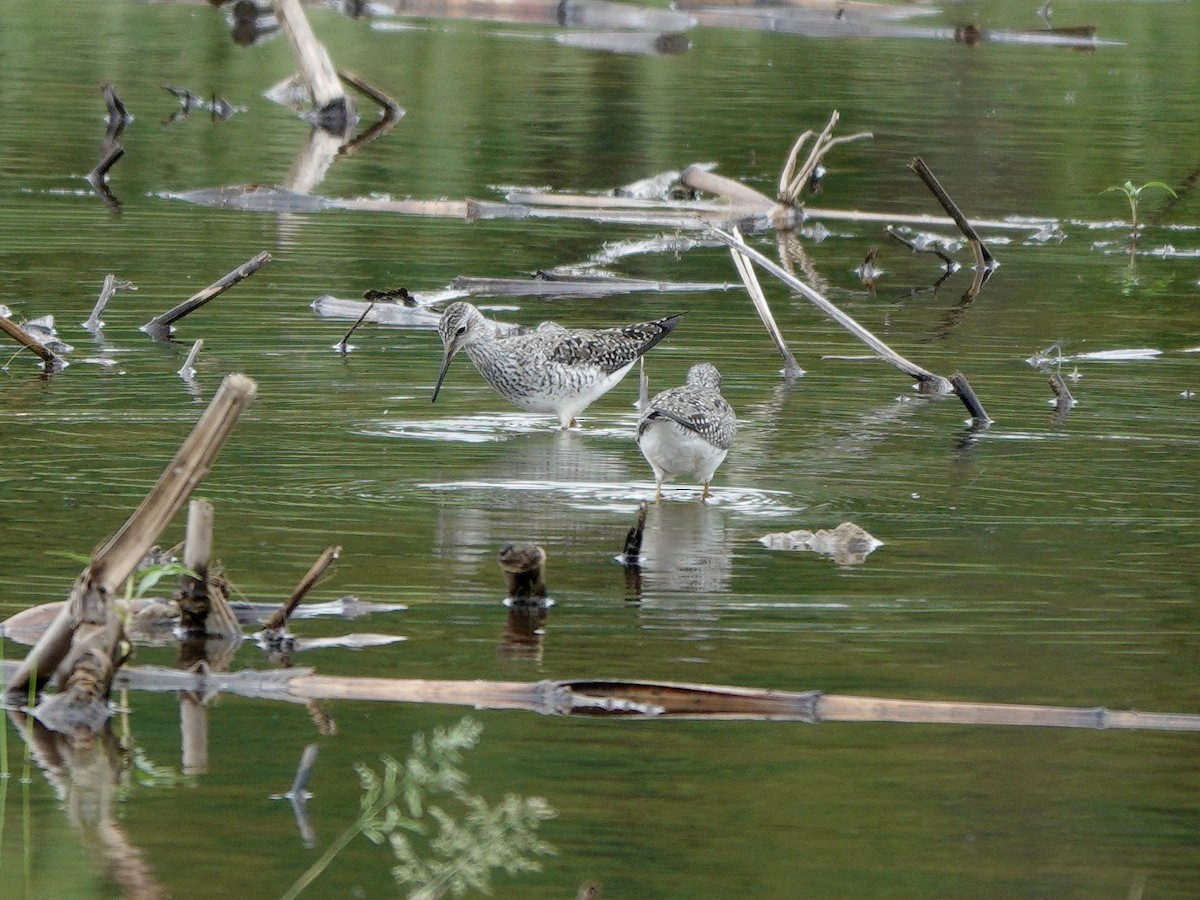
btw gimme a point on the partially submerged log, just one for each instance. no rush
(644, 700)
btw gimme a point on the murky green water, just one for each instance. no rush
(1035, 562)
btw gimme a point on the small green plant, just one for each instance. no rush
(1134, 195)
(458, 855)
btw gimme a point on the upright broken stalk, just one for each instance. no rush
(280, 617)
(334, 109)
(984, 261)
(81, 645)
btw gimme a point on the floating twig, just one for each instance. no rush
(791, 369)
(983, 257)
(318, 568)
(160, 326)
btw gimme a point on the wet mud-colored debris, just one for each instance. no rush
(848, 544)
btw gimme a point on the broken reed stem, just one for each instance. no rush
(700, 179)
(203, 608)
(962, 388)
(160, 325)
(983, 257)
(324, 561)
(28, 341)
(117, 558)
(928, 380)
(791, 368)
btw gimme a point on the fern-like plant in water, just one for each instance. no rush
(436, 852)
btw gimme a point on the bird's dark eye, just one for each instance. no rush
(462, 329)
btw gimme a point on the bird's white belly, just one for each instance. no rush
(674, 451)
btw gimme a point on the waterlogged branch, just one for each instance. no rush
(318, 568)
(791, 368)
(983, 257)
(52, 361)
(927, 380)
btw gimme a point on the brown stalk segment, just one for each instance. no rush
(160, 325)
(324, 561)
(25, 339)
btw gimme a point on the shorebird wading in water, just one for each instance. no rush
(553, 369)
(688, 430)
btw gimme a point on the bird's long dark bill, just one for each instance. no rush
(441, 376)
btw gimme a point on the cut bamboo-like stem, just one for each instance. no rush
(927, 379)
(160, 325)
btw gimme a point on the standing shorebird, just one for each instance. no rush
(553, 369)
(688, 430)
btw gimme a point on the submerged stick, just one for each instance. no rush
(318, 568)
(791, 368)
(160, 326)
(983, 257)
(342, 345)
(951, 264)
(52, 360)
(114, 561)
(928, 380)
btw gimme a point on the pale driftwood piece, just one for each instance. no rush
(86, 629)
(983, 257)
(334, 109)
(160, 326)
(593, 201)
(318, 568)
(791, 368)
(963, 390)
(928, 380)
(852, 215)
(107, 291)
(523, 566)
(792, 183)
(52, 360)
(700, 179)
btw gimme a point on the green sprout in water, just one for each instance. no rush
(1134, 194)
(436, 852)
